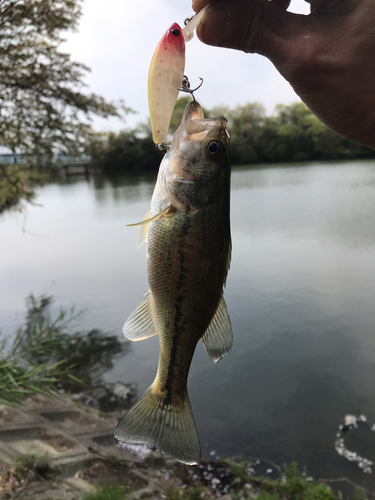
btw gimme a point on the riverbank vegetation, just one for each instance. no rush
(44, 108)
(46, 356)
(31, 365)
(291, 134)
(178, 482)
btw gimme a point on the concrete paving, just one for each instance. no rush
(80, 444)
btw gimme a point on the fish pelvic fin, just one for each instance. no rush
(170, 427)
(218, 338)
(141, 325)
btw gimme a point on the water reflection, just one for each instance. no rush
(285, 400)
(118, 187)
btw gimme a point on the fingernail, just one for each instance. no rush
(215, 29)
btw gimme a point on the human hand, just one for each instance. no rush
(327, 56)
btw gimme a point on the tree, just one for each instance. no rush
(125, 151)
(42, 106)
(245, 124)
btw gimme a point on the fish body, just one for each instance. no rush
(164, 79)
(188, 255)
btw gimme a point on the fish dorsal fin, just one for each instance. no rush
(218, 338)
(143, 231)
(141, 325)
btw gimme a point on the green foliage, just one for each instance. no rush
(46, 356)
(15, 184)
(125, 151)
(29, 461)
(239, 469)
(29, 367)
(108, 492)
(190, 493)
(42, 105)
(264, 495)
(293, 485)
(293, 133)
(245, 124)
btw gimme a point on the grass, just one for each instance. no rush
(190, 493)
(28, 468)
(26, 369)
(108, 492)
(29, 461)
(290, 485)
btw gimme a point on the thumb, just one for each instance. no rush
(257, 26)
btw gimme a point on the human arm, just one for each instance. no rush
(327, 56)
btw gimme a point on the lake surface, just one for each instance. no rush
(300, 294)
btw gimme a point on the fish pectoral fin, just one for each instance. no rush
(218, 338)
(141, 325)
(228, 261)
(166, 211)
(143, 231)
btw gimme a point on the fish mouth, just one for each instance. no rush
(194, 127)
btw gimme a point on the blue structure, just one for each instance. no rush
(11, 158)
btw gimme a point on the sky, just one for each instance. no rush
(117, 39)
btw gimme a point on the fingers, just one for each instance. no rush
(250, 25)
(199, 4)
(327, 56)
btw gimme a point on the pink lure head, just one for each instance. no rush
(173, 39)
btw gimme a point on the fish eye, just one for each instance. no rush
(175, 31)
(214, 147)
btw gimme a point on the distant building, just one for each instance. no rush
(11, 158)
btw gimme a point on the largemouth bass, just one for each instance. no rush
(188, 254)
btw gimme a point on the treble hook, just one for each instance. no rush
(185, 87)
(162, 147)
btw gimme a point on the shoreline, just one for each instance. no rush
(67, 451)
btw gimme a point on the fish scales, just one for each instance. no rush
(181, 283)
(188, 254)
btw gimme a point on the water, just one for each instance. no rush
(300, 294)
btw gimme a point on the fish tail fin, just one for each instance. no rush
(170, 427)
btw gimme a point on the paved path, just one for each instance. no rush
(81, 445)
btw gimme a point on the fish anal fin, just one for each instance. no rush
(141, 325)
(218, 338)
(170, 427)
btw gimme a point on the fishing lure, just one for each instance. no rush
(166, 75)
(164, 78)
